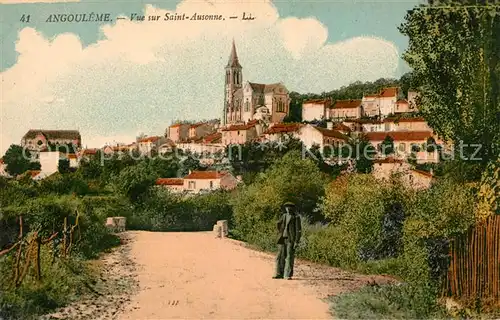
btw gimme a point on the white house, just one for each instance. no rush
(311, 135)
(3, 168)
(49, 161)
(383, 169)
(281, 130)
(346, 109)
(175, 185)
(316, 109)
(381, 104)
(198, 181)
(403, 140)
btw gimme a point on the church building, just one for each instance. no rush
(248, 101)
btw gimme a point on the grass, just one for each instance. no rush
(382, 302)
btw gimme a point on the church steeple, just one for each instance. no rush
(233, 58)
(234, 81)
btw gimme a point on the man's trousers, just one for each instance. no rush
(285, 259)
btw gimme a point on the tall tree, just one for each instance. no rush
(454, 50)
(18, 160)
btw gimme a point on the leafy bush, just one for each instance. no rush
(289, 179)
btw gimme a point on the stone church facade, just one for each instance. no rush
(246, 101)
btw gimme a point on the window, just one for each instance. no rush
(211, 184)
(402, 147)
(39, 142)
(247, 106)
(191, 185)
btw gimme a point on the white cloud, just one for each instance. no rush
(142, 75)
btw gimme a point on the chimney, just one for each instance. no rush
(329, 125)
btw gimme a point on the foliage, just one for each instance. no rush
(387, 146)
(455, 56)
(66, 183)
(290, 179)
(364, 153)
(383, 302)
(489, 192)
(133, 182)
(253, 157)
(63, 166)
(164, 211)
(18, 160)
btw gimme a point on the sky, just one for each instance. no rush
(114, 80)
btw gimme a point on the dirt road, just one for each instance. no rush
(195, 275)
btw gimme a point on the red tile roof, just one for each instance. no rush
(399, 135)
(253, 122)
(283, 128)
(402, 101)
(206, 175)
(317, 101)
(367, 121)
(237, 127)
(149, 139)
(388, 160)
(169, 182)
(424, 173)
(89, 151)
(196, 125)
(346, 104)
(388, 92)
(332, 133)
(72, 156)
(178, 125)
(33, 173)
(211, 138)
(341, 127)
(384, 93)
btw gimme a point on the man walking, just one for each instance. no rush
(289, 233)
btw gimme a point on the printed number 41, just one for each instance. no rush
(25, 18)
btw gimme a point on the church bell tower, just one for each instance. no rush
(233, 82)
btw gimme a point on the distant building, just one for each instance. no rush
(316, 109)
(200, 130)
(239, 134)
(38, 139)
(280, 131)
(148, 144)
(243, 99)
(311, 135)
(406, 124)
(179, 132)
(175, 185)
(200, 181)
(403, 140)
(346, 109)
(3, 169)
(383, 169)
(49, 161)
(381, 104)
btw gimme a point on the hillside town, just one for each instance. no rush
(255, 112)
(361, 163)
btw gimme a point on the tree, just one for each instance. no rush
(18, 160)
(387, 146)
(364, 153)
(63, 166)
(454, 51)
(133, 181)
